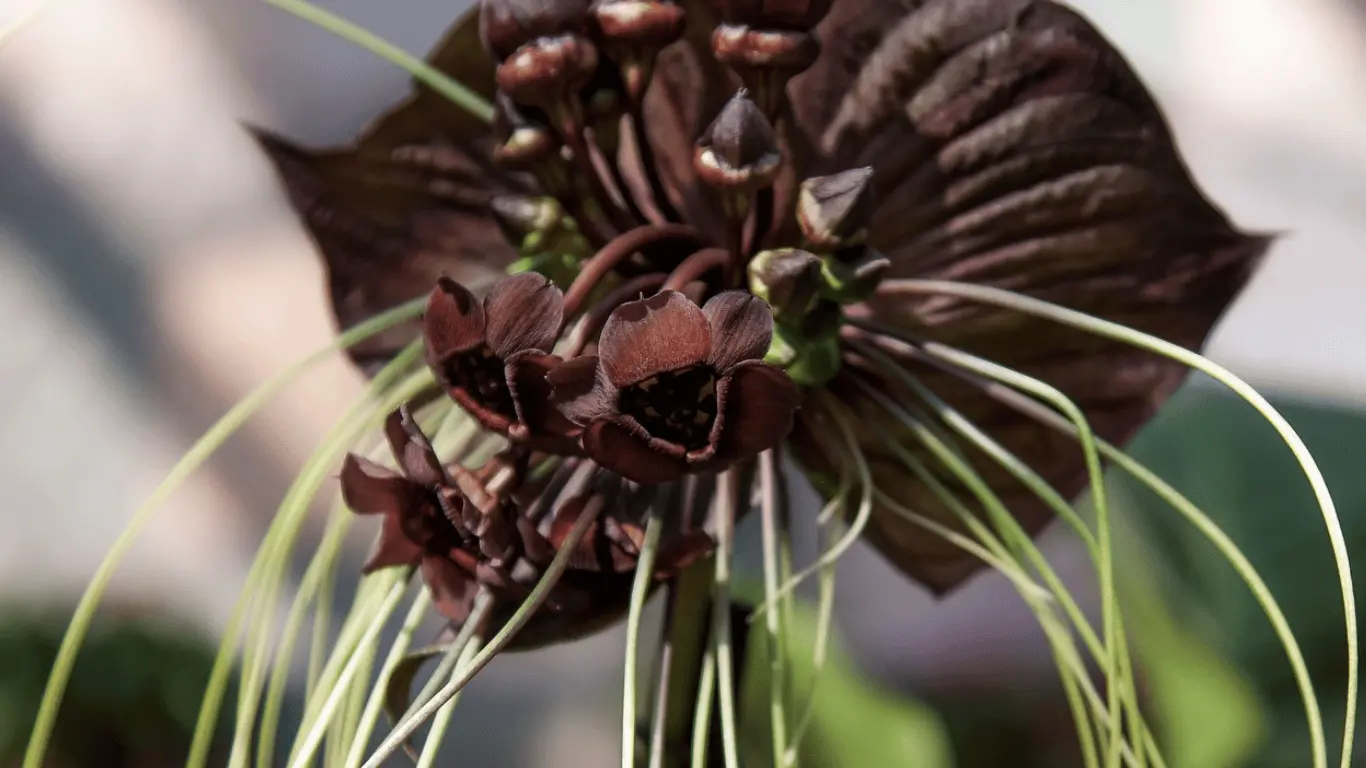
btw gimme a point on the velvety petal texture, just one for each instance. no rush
(741, 328)
(525, 312)
(454, 321)
(665, 332)
(757, 404)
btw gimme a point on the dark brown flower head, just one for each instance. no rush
(676, 388)
(418, 509)
(1000, 143)
(492, 355)
(789, 279)
(507, 25)
(836, 211)
(641, 24)
(549, 71)
(739, 150)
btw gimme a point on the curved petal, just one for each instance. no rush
(617, 449)
(525, 312)
(454, 321)
(665, 332)
(741, 328)
(579, 391)
(371, 489)
(412, 450)
(452, 588)
(407, 201)
(392, 547)
(531, 394)
(756, 404)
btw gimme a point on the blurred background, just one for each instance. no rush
(151, 274)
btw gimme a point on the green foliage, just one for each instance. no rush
(1231, 464)
(854, 722)
(135, 689)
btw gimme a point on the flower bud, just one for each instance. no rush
(548, 71)
(519, 215)
(773, 50)
(835, 211)
(789, 279)
(633, 32)
(507, 25)
(646, 24)
(523, 141)
(739, 151)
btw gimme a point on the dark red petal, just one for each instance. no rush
(371, 489)
(741, 328)
(407, 201)
(412, 450)
(392, 548)
(531, 394)
(454, 321)
(756, 404)
(579, 392)
(665, 332)
(452, 588)
(585, 557)
(525, 312)
(616, 449)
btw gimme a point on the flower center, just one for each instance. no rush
(482, 373)
(428, 528)
(676, 406)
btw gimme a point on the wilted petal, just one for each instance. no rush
(757, 403)
(578, 391)
(615, 448)
(371, 489)
(665, 332)
(412, 449)
(454, 321)
(741, 328)
(451, 587)
(525, 311)
(407, 202)
(392, 548)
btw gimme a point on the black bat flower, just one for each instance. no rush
(814, 153)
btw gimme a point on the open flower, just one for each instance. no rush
(492, 356)
(445, 520)
(420, 509)
(675, 388)
(1002, 143)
